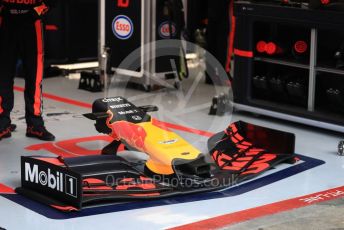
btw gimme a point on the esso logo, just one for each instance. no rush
(122, 27)
(164, 30)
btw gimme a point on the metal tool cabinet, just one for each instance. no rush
(324, 32)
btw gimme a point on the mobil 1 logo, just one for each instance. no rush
(50, 179)
(71, 185)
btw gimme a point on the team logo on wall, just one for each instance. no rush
(164, 29)
(122, 27)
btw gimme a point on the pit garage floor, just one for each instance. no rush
(306, 195)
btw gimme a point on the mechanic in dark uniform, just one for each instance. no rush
(21, 36)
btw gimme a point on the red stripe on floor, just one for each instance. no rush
(6, 189)
(269, 209)
(87, 105)
(228, 219)
(20, 89)
(60, 99)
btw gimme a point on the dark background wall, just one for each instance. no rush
(72, 32)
